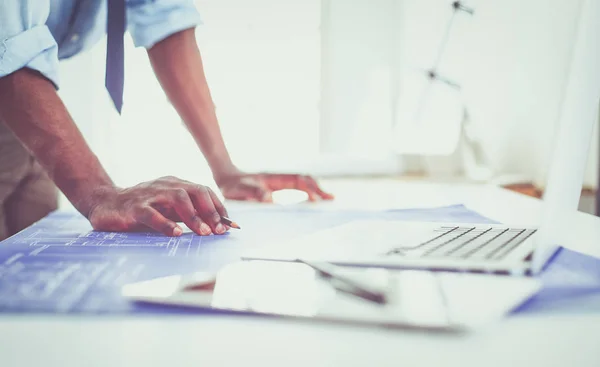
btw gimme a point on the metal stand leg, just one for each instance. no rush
(474, 162)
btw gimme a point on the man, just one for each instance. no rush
(41, 147)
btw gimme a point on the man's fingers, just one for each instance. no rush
(305, 184)
(291, 181)
(256, 189)
(314, 186)
(297, 182)
(325, 195)
(206, 209)
(280, 181)
(260, 193)
(217, 203)
(250, 191)
(151, 218)
(182, 203)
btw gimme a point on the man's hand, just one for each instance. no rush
(260, 187)
(158, 205)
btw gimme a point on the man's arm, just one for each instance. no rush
(178, 66)
(177, 63)
(31, 108)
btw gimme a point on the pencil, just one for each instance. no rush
(230, 223)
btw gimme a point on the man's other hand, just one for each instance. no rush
(259, 187)
(158, 205)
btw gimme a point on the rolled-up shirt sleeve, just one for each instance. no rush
(150, 21)
(25, 40)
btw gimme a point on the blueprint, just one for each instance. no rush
(60, 265)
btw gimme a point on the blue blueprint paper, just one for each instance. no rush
(60, 266)
(571, 284)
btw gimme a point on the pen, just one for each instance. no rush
(230, 223)
(360, 290)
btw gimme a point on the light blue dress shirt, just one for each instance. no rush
(36, 34)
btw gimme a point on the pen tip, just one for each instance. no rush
(235, 225)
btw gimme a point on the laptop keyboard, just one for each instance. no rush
(467, 243)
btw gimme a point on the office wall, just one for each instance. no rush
(521, 54)
(358, 75)
(512, 58)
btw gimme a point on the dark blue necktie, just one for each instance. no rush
(115, 54)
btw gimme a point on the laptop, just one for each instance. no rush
(485, 248)
(494, 248)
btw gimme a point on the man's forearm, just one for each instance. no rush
(31, 108)
(178, 66)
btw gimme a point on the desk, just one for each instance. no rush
(556, 340)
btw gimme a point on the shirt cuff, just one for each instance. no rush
(149, 25)
(35, 49)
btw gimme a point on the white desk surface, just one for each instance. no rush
(555, 340)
